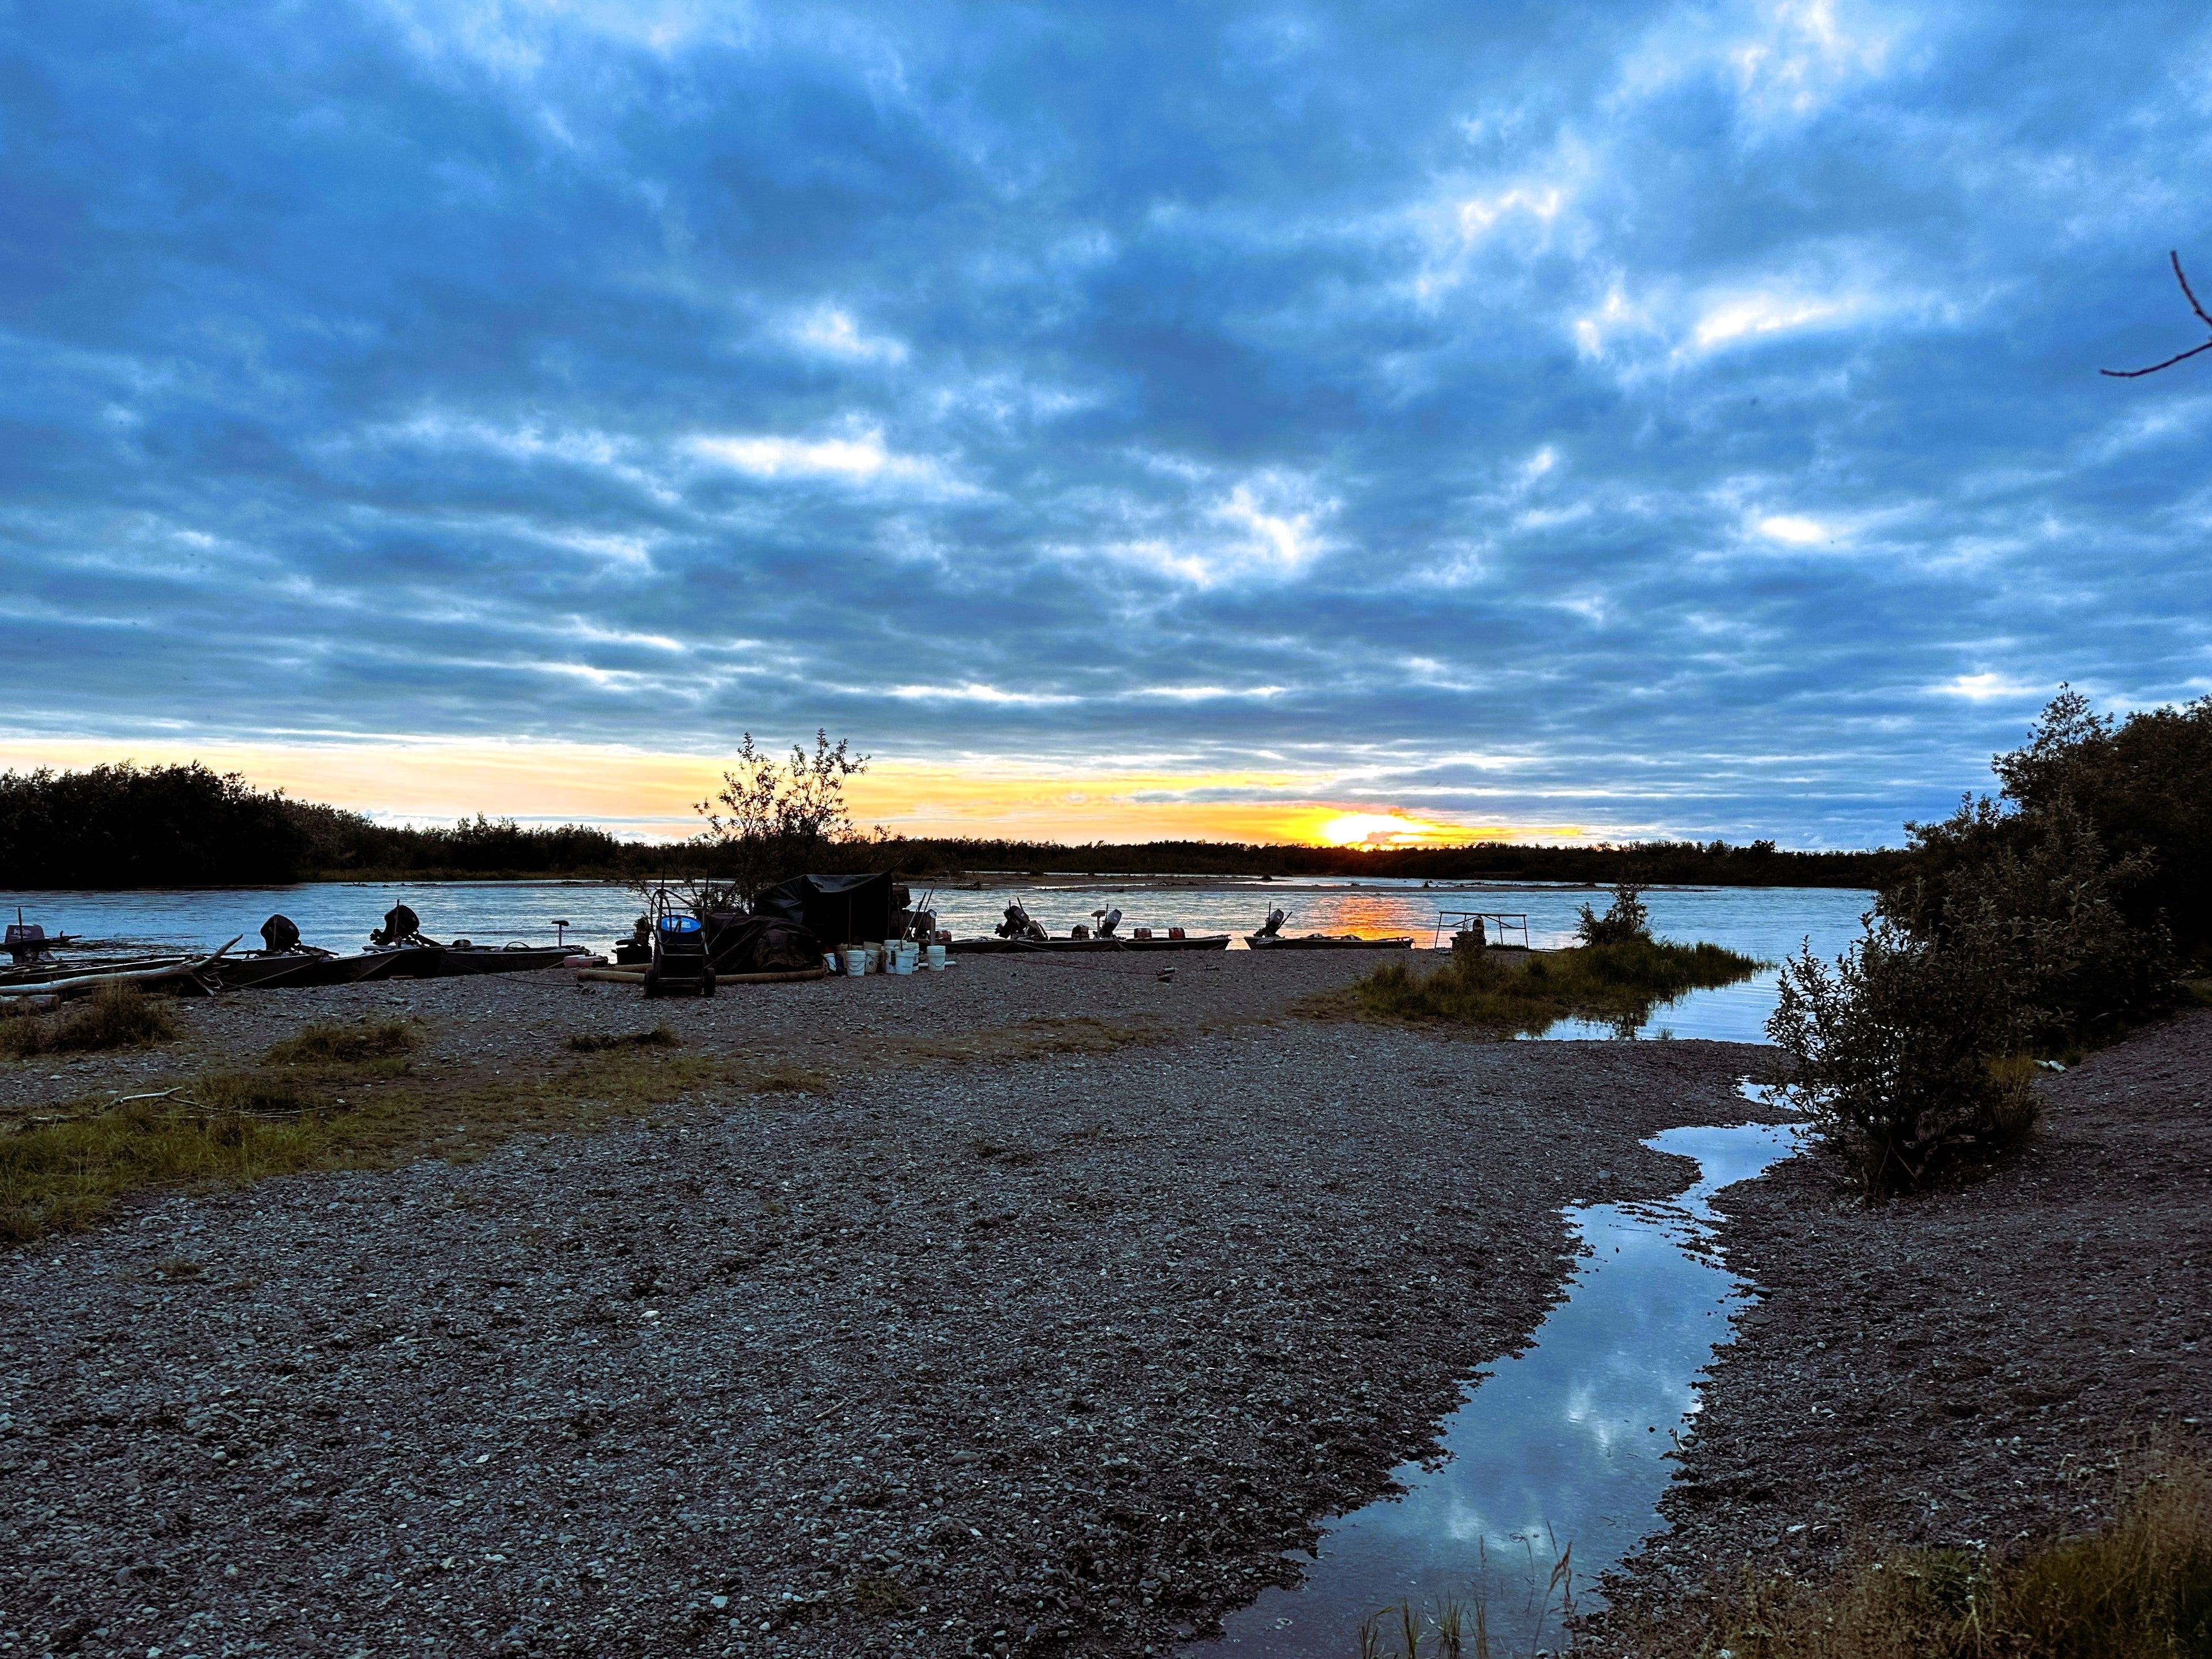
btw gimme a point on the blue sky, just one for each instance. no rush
(1640, 418)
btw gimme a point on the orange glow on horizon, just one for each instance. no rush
(651, 796)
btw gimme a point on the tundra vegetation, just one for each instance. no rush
(333, 1097)
(1617, 974)
(2141, 1588)
(2074, 906)
(114, 1016)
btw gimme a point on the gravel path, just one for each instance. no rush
(1029, 1354)
(1961, 1368)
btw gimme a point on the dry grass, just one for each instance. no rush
(114, 1016)
(233, 1129)
(1510, 992)
(881, 1595)
(600, 1043)
(1031, 1039)
(345, 1045)
(2142, 1587)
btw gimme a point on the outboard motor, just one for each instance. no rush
(1019, 925)
(399, 923)
(277, 933)
(1108, 922)
(1276, 917)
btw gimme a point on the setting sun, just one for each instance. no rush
(1383, 829)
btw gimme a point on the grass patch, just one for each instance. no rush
(600, 1043)
(2140, 1588)
(881, 1595)
(234, 1128)
(55, 1177)
(1510, 991)
(785, 1080)
(344, 1045)
(1079, 1034)
(114, 1016)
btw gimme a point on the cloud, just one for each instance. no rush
(858, 459)
(1684, 420)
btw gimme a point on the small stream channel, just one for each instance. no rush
(1563, 1446)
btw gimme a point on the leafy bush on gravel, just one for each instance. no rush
(114, 1016)
(1905, 1054)
(2139, 1589)
(2011, 931)
(344, 1045)
(1509, 991)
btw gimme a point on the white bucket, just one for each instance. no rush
(856, 959)
(901, 960)
(935, 960)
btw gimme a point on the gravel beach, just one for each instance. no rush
(1973, 1367)
(1057, 1311)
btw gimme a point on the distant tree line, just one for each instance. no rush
(125, 825)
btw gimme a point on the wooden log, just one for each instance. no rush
(83, 983)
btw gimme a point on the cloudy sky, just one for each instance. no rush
(1619, 419)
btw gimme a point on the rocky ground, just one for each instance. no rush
(1970, 1367)
(1045, 1323)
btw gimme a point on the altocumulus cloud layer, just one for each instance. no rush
(1668, 416)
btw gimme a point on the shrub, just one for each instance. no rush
(1891, 1053)
(1625, 922)
(114, 1016)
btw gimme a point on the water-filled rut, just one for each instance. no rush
(1560, 1452)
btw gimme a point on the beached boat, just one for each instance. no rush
(459, 959)
(1324, 942)
(1001, 947)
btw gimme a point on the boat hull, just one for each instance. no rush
(1325, 942)
(459, 962)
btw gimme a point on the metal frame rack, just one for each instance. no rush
(1469, 921)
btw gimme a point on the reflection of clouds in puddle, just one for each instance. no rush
(1569, 1439)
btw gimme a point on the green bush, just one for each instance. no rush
(1901, 1054)
(1625, 922)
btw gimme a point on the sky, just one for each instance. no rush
(1540, 422)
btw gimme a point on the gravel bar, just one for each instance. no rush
(1004, 1353)
(1970, 1368)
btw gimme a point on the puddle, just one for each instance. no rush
(1562, 1447)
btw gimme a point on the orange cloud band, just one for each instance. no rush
(652, 795)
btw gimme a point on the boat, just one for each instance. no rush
(1324, 942)
(461, 958)
(1002, 947)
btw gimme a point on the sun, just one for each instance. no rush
(1377, 830)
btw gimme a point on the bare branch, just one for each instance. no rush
(2189, 294)
(2175, 255)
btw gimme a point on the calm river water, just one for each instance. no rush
(1769, 922)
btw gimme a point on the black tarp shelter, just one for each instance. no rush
(836, 909)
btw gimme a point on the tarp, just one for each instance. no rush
(759, 944)
(835, 909)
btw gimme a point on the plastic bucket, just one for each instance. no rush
(856, 959)
(900, 962)
(935, 958)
